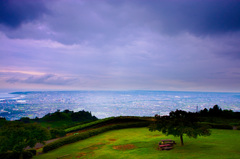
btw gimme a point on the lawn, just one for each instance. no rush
(139, 143)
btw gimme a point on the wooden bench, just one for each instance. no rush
(167, 148)
(166, 144)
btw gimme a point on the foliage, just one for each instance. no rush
(13, 155)
(69, 115)
(33, 151)
(2, 121)
(25, 119)
(220, 126)
(179, 123)
(87, 134)
(15, 136)
(57, 133)
(216, 111)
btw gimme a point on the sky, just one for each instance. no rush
(173, 45)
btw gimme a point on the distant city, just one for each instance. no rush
(103, 104)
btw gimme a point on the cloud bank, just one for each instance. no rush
(160, 45)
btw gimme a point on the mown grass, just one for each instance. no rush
(139, 143)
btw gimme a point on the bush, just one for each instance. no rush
(14, 155)
(68, 115)
(33, 151)
(218, 126)
(57, 133)
(87, 134)
(9, 155)
(25, 119)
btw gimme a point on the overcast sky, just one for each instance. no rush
(120, 45)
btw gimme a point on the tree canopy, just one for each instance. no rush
(79, 116)
(16, 136)
(179, 123)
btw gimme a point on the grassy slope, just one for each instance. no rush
(221, 144)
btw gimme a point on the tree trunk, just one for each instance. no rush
(181, 137)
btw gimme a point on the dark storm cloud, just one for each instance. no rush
(105, 21)
(15, 12)
(196, 16)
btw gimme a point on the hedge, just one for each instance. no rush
(87, 134)
(220, 126)
(217, 126)
(110, 120)
(83, 126)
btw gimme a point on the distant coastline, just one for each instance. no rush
(104, 104)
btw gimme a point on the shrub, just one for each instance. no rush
(219, 126)
(14, 155)
(33, 151)
(57, 133)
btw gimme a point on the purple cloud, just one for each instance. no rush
(170, 45)
(48, 79)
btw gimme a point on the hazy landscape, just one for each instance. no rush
(104, 104)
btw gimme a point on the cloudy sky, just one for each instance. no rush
(187, 45)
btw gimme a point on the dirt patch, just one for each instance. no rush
(93, 147)
(85, 155)
(67, 156)
(124, 147)
(97, 146)
(112, 139)
(156, 135)
(81, 154)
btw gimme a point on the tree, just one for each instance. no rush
(179, 123)
(15, 136)
(25, 119)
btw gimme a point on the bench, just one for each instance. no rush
(167, 148)
(166, 144)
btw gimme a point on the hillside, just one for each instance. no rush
(139, 143)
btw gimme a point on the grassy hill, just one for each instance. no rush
(84, 136)
(141, 143)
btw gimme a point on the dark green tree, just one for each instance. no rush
(15, 136)
(179, 123)
(25, 119)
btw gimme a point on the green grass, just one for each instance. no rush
(222, 144)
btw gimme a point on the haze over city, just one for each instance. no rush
(120, 45)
